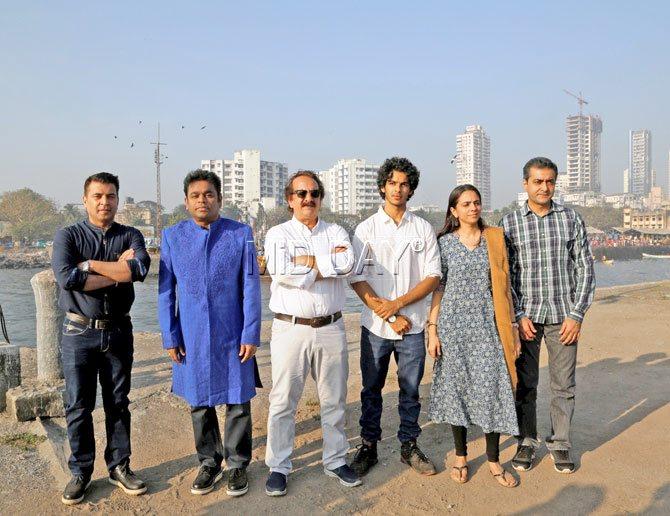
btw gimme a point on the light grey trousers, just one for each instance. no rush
(562, 366)
(297, 350)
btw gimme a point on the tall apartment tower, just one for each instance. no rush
(639, 162)
(473, 161)
(246, 178)
(351, 186)
(584, 134)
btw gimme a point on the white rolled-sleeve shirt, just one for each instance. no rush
(393, 259)
(295, 289)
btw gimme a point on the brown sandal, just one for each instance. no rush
(501, 478)
(460, 469)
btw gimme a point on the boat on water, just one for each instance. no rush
(656, 256)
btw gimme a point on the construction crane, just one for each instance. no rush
(580, 100)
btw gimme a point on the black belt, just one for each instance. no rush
(97, 324)
(314, 322)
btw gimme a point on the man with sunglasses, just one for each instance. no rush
(308, 260)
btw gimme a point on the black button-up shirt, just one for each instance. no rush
(84, 241)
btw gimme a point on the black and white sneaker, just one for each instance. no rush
(348, 477)
(122, 476)
(238, 484)
(207, 477)
(523, 459)
(75, 490)
(562, 461)
(275, 485)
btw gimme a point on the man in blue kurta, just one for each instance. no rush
(209, 307)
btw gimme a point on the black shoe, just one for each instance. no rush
(275, 485)
(523, 459)
(562, 461)
(75, 490)
(348, 477)
(237, 482)
(365, 458)
(207, 477)
(123, 477)
(411, 455)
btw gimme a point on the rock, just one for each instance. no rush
(10, 371)
(38, 399)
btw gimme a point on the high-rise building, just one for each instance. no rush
(351, 186)
(583, 159)
(639, 162)
(246, 178)
(626, 181)
(473, 161)
(667, 191)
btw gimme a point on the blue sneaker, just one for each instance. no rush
(275, 485)
(348, 477)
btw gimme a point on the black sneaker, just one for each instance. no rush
(75, 490)
(237, 482)
(123, 477)
(365, 458)
(562, 461)
(523, 459)
(275, 485)
(207, 477)
(411, 455)
(348, 477)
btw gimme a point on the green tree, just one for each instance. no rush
(601, 217)
(71, 214)
(32, 216)
(178, 214)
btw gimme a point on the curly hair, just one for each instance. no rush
(202, 175)
(399, 164)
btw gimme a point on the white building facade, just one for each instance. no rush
(351, 186)
(246, 179)
(473, 161)
(639, 162)
(584, 135)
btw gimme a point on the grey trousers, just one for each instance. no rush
(236, 449)
(562, 365)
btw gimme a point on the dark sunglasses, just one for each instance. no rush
(303, 193)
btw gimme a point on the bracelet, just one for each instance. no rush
(515, 325)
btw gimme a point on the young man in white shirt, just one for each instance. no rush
(397, 267)
(308, 260)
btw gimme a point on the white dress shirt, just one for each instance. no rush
(295, 289)
(393, 259)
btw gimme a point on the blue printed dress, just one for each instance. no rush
(471, 384)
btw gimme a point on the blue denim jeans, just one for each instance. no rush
(410, 356)
(88, 354)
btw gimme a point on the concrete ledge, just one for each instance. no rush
(10, 371)
(38, 399)
(55, 449)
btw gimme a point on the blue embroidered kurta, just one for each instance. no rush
(212, 275)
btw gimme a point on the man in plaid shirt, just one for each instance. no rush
(553, 282)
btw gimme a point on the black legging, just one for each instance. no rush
(461, 437)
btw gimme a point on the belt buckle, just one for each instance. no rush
(316, 322)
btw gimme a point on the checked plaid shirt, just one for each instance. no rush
(551, 265)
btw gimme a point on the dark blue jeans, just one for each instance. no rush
(410, 355)
(87, 355)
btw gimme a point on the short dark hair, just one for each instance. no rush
(202, 175)
(539, 162)
(102, 177)
(288, 189)
(401, 165)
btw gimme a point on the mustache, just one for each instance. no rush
(311, 203)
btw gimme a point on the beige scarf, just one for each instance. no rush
(502, 296)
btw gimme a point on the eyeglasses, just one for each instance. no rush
(303, 193)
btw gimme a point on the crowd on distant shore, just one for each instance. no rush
(597, 241)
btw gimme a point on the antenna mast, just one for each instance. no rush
(158, 161)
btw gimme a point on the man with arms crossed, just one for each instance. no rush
(95, 263)
(398, 265)
(308, 260)
(209, 308)
(553, 282)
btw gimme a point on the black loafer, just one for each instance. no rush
(238, 484)
(122, 476)
(562, 461)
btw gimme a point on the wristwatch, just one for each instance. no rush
(86, 266)
(392, 319)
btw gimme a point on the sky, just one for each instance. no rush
(308, 83)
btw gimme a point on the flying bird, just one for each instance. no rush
(116, 137)
(140, 121)
(454, 158)
(203, 127)
(132, 145)
(183, 126)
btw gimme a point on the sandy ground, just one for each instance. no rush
(620, 436)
